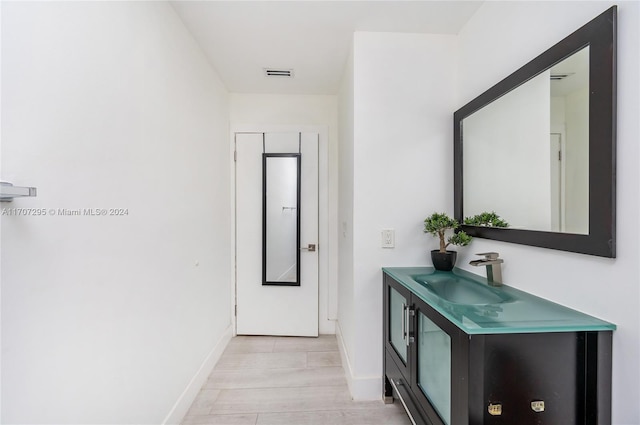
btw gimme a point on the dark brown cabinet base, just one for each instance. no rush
(527, 372)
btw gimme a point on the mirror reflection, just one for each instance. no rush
(281, 219)
(526, 154)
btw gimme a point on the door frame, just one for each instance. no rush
(327, 290)
(561, 130)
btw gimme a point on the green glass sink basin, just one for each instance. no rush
(467, 300)
(458, 290)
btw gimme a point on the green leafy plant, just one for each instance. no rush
(486, 219)
(437, 224)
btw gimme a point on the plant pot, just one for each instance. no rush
(443, 261)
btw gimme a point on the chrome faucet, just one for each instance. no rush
(494, 270)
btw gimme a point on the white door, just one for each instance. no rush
(277, 270)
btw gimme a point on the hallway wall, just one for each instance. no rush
(107, 319)
(346, 308)
(399, 159)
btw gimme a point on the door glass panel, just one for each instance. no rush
(281, 219)
(434, 366)
(396, 320)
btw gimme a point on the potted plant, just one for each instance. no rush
(438, 224)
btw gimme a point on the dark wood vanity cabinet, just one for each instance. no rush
(444, 375)
(403, 314)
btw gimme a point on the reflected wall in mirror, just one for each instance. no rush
(533, 140)
(281, 219)
(538, 148)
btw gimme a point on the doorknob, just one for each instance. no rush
(311, 247)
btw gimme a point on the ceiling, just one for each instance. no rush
(241, 38)
(576, 69)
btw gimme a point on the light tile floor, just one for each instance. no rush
(263, 380)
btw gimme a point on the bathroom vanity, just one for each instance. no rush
(460, 352)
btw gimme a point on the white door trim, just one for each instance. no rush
(327, 290)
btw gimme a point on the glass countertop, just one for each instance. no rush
(475, 307)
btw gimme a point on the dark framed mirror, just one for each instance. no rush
(539, 147)
(281, 219)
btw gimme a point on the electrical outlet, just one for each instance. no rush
(388, 238)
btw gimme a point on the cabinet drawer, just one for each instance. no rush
(402, 389)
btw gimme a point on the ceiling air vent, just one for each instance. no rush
(559, 76)
(273, 72)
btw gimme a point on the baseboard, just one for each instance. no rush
(189, 394)
(361, 388)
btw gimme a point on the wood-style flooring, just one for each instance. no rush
(284, 380)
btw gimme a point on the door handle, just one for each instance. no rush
(311, 248)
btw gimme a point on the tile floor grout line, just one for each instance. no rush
(288, 387)
(290, 347)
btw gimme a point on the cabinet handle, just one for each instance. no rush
(404, 321)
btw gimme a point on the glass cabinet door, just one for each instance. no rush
(434, 366)
(397, 323)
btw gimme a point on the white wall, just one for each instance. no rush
(506, 146)
(402, 156)
(346, 310)
(111, 319)
(606, 288)
(266, 112)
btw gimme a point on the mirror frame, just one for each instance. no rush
(600, 35)
(297, 157)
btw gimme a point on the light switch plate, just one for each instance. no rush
(388, 238)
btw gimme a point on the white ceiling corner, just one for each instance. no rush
(241, 38)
